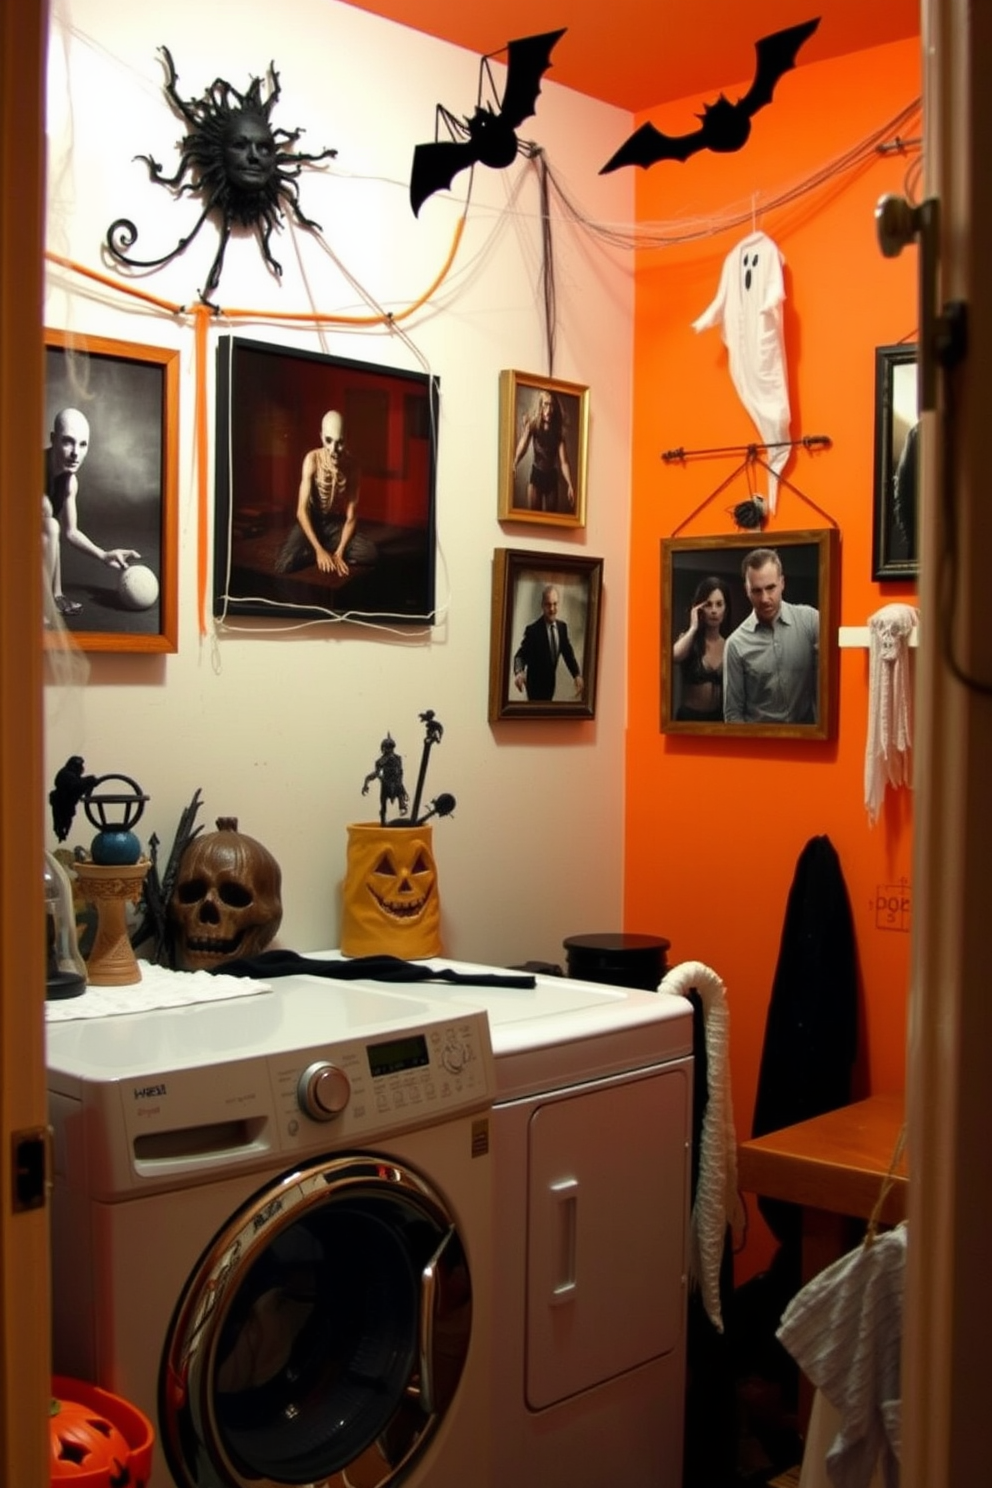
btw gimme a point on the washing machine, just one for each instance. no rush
(592, 1130)
(272, 1232)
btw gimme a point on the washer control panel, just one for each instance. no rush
(407, 1077)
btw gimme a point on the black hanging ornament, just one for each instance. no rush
(725, 126)
(750, 514)
(489, 137)
(245, 171)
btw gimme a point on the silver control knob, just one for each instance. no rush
(323, 1090)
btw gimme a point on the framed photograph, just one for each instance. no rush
(543, 450)
(325, 487)
(749, 635)
(545, 635)
(110, 503)
(895, 534)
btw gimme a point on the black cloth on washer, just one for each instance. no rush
(373, 968)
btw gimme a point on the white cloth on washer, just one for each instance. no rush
(844, 1330)
(748, 310)
(889, 751)
(158, 987)
(717, 1201)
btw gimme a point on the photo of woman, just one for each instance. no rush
(542, 451)
(740, 653)
(550, 479)
(699, 653)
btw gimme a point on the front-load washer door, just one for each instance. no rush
(321, 1336)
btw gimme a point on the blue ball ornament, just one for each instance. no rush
(115, 847)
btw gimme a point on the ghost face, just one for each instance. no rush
(749, 263)
(249, 152)
(70, 440)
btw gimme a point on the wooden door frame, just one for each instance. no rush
(946, 1424)
(25, 1350)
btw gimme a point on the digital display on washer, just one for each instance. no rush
(399, 1054)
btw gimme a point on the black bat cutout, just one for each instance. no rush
(488, 138)
(725, 125)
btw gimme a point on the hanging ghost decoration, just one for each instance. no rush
(748, 310)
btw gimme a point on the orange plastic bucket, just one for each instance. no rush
(95, 1436)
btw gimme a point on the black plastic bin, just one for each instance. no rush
(619, 960)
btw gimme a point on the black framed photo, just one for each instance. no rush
(110, 503)
(324, 506)
(544, 651)
(543, 450)
(749, 635)
(895, 525)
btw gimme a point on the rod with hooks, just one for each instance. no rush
(808, 441)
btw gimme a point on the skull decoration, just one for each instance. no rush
(391, 903)
(226, 902)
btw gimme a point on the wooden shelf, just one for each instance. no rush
(834, 1162)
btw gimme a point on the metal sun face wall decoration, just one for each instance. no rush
(231, 156)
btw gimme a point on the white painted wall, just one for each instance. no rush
(280, 727)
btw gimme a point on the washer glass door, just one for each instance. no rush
(324, 1330)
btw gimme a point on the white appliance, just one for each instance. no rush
(592, 1144)
(272, 1232)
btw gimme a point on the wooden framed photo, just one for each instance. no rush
(325, 487)
(749, 635)
(544, 652)
(110, 502)
(895, 528)
(543, 450)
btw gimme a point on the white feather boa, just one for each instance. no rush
(717, 1201)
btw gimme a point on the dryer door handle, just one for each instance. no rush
(425, 1334)
(564, 1227)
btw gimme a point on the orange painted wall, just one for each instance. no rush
(714, 829)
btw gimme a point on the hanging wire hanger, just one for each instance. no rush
(751, 513)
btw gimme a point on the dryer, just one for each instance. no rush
(592, 1147)
(272, 1233)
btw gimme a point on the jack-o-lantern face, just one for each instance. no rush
(390, 893)
(401, 885)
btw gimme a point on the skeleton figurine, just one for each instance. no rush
(389, 773)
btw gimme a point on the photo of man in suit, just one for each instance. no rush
(545, 643)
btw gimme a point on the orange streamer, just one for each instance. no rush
(125, 288)
(386, 318)
(203, 313)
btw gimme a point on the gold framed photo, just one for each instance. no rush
(543, 450)
(749, 635)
